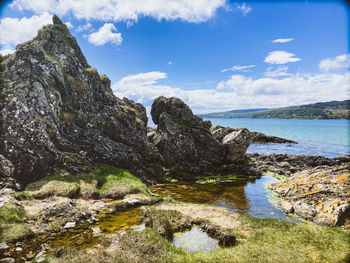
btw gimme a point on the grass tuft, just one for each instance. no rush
(104, 181)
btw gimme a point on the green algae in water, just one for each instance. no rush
(248, 197)
(195, 240)
(120, 220)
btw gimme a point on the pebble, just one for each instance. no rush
(69, 225)
(7, 260)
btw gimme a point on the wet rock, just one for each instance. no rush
(187, 144)
(56, 111)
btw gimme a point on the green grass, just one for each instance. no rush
(272, 241)
(14, 232)
(11, 213)
(11, 227)
(104, 181)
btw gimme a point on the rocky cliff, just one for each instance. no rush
(56, 111)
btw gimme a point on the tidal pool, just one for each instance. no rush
(249, 197)
(195, 240)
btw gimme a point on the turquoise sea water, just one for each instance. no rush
(328, 138)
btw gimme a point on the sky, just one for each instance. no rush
(216, 55)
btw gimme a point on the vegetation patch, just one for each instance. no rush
(271, 240)
(104, 181)
(11, 226)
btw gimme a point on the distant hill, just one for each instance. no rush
(320, 110)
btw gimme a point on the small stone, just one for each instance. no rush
(131, 201)
(30, 255)
(69, 225)
(7, 260)
(19, 249)
(3, 246)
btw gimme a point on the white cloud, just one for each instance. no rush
(15, 31)
(339, 62)
(239, 68)
(282, 40)
(170, 62)
(239, 91)
(7, 50)
(280, 57)
(106, 33)
(84, 27)
(277, 72)
(244, 9)
(127, 10)
(69, 25)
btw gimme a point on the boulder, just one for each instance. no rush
(186, 142)
(235, 140)
(56, 111)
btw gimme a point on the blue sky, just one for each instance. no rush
(216, 55)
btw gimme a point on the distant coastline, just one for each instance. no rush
(320, 110)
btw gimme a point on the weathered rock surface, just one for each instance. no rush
(187, 144)
(58, 112)
(235, 140)
(318, 195)
(285, 164)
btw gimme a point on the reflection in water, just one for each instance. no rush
(246, 197)
(195, 240)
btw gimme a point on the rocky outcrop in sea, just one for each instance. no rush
(190, 147)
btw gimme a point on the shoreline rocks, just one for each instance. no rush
(319, 196)
(189, 147)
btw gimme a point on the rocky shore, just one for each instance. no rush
(73, 154)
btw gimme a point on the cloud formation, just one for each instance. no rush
(280, 57)
(239, 68)
(244, 9)
(282, 40)
(126, 10)
(339, 62)
(277, 72)
(239, 91)
(84, 27)
(15, 31)
(106, 33)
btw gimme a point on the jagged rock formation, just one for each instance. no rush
(187, 144)
(58, 112)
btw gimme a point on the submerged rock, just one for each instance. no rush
(56, 111)
(187, 144)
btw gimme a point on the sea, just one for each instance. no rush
(329, 138)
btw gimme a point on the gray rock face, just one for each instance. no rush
(186, 141)
(58, 112)
(235, 140)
